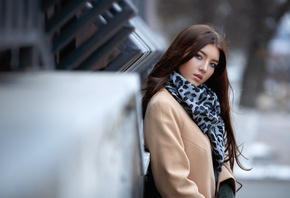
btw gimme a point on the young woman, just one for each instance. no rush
(187, 122)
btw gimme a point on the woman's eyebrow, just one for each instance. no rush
(207, 56)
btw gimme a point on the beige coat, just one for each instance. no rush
(181, 157)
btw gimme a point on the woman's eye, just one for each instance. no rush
(198, 56)
(213, 65)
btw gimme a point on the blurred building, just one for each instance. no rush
(68, 128)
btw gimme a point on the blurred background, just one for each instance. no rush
(129, 36)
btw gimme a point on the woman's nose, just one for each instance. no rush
(203, 67)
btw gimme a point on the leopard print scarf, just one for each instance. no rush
(202, 104)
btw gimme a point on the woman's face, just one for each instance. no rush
(200, 67)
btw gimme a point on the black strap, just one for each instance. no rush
(226, 190)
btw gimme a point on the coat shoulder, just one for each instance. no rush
(163, 99)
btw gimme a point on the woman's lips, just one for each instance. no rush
(198, 77)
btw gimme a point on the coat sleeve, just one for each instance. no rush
(169, 162)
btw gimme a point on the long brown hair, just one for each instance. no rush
(186, 45)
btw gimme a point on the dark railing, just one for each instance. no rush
(23, 44)
(96, 35)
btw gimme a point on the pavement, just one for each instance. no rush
(265, 137)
